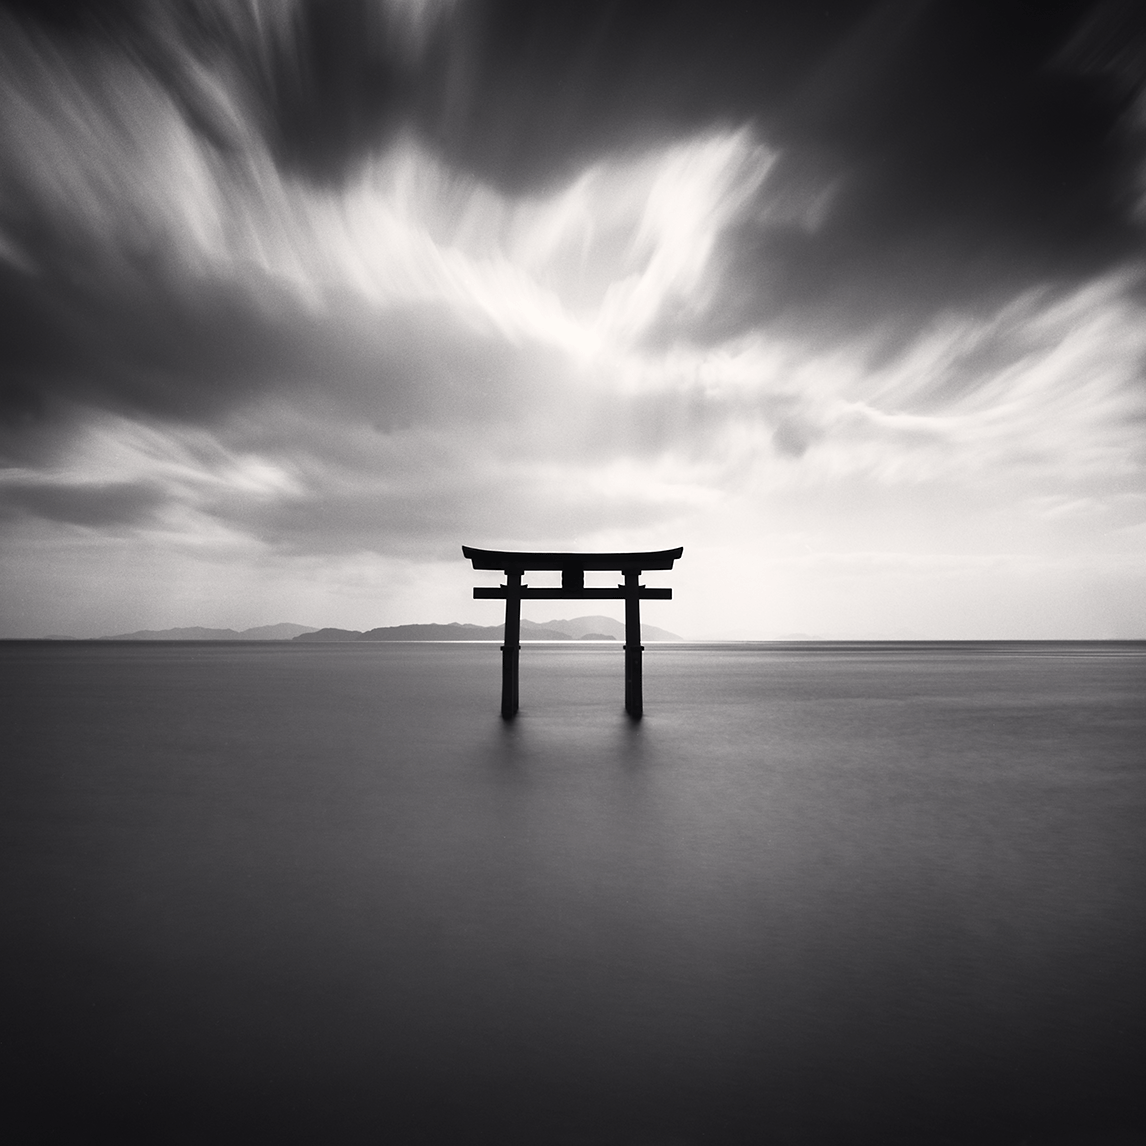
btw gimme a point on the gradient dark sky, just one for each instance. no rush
(845, 298)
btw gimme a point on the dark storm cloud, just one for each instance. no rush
(527, 93)
(144, 342)
(324, 80)
(930, 155)
(418, 517)
(973, 147)
(519, 92)
(423, 511)
(135, 341)
(962, 150)
(999, 113)
(95, 504)
(977, 163)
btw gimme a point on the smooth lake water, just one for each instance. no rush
(820, 894)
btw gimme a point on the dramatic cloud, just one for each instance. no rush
(92, 503)
(320, 290)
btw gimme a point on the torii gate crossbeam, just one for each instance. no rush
(573, 567)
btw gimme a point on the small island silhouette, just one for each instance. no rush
(595, 628)
(575, 629)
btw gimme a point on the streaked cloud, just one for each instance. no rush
(281, 315)
(92, 504)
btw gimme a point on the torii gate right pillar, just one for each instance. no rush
(634, 691)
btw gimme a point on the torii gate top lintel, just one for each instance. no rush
(506, 559)
(573, 567)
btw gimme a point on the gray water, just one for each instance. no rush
(822, 893)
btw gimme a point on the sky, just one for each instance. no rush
(848, 299)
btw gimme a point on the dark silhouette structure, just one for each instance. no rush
(573, 567)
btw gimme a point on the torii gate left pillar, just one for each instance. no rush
(572, 567)
(634, 686)
(511, 650)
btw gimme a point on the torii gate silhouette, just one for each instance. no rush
(572, 566)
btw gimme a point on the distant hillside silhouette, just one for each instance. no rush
(576, 629)
(284, 631)
(579, 628)
(454, 631)
(600, 627)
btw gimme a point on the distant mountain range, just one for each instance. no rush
(576, 629)
(280, 632)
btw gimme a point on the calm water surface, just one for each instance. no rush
(820, 894)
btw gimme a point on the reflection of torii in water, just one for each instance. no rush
(572, 566)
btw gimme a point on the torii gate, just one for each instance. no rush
(572, 566)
